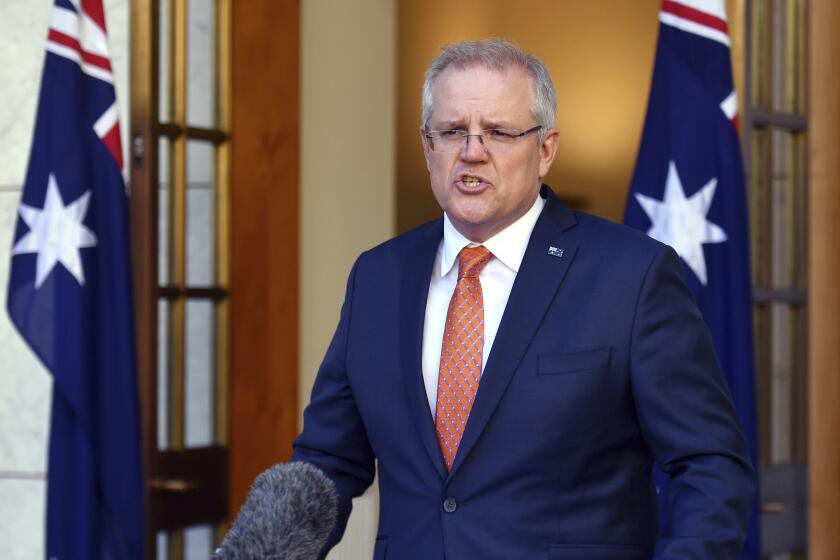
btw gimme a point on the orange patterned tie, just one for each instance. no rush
(460, 355)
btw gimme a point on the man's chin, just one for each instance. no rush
(476, 226)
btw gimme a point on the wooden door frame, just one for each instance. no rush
(262, 407)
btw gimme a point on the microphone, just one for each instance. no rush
(288, 515)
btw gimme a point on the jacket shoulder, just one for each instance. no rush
(613, 237)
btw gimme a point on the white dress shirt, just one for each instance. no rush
(508, 248)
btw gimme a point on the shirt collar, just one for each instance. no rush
(508, 245)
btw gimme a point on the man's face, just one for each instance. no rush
(508, 179)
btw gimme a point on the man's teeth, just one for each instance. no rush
(472, 181)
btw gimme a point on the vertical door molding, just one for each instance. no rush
(824, 319)
(264, 238)
(143, 212)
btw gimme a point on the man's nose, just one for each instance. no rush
(474, 148)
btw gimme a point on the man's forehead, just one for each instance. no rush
(500, 94)
(456, 71)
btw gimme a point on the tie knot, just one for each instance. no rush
(471, 260)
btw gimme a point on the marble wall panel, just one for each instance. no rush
(198, 542)
(23, 33)
(22, 518)
(200, 375)
(200, 236)
(201, 63)
(200, 214)
(200, 163)
(25, 385)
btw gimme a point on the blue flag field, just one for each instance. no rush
(70, 295)
(688, 191)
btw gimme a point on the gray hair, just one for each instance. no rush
(496, 54)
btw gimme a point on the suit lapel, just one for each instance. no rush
(534, 289)
(414, 291)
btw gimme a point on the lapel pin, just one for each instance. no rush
(555, 252)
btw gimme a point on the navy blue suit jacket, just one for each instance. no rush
(602, 365)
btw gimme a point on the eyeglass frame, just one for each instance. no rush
(432, 134)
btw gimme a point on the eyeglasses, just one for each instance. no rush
(447, 141)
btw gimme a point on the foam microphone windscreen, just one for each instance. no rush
(288, 515)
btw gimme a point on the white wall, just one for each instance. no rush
(25, 386)
(348, 110)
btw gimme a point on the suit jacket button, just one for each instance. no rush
(450, 505)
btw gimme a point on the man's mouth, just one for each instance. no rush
(471, 184)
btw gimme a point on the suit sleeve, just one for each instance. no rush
(334, 438)
(688, 420)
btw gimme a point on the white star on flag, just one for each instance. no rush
(56, 234)
(681, 222)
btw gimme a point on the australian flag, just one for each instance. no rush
(689, 191)
(70, 295)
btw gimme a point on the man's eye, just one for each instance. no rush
(499, 134)
(449, 133)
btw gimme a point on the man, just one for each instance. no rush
(515, 368)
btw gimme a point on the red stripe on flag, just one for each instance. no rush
(62, 39)
(90, 58)
(692, 14)
(112, 142)
(96, 60)
(94, 10)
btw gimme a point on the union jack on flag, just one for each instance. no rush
(77, 33)
(688, 191)
(70, 295)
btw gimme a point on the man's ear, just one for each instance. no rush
(425, 142)
(548, 149)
